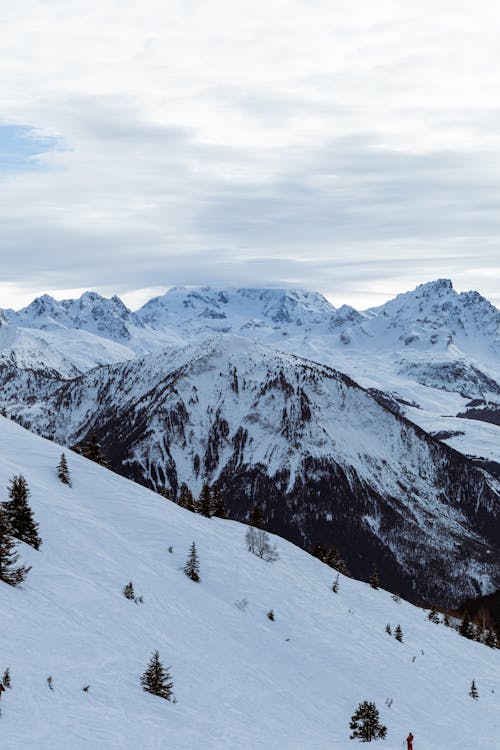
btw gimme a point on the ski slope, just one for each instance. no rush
(241, 681)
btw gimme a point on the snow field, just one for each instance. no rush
(240, 683)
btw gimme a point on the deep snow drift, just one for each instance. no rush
(241, 681)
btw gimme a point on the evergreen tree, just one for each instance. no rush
(205, 501)
(10, 572)
(490, 639)
(192, 566)
(446, 620)
(218, 508)
(128, 591)
(6, 678)
(336, 585)
(466, 628)
(156, 679)
(256, 518)
(93, 451)
(473, 691)
(19, 513)
(270, 615)
(186, 499)
(63, 471)
(334, 559)
(374, 582)
(50, 683)
(433, 615)
(165, 492)
(398, 634)
(388, 629)
(365, 723)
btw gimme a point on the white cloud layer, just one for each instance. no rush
(352, 148)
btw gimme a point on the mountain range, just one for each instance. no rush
(375, 430)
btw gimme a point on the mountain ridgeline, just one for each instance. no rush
(208, 386)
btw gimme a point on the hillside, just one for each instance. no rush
(322, 457)
(240, 679)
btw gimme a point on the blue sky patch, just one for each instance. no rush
(19, 147)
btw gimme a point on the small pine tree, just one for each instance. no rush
(218, 507)
(466, 627)
(50, 683)
(270, 615)
(334, 559)
(186, 499)
(6, 678)
(93, 451)
(473, 691)
(205, 501)
(446, 620)
(19, 513)
(365, 723)
(433, 615)
(63, 470)
(374, 582)
(10, 572)
(192, 566)
(490, 639)
(388, 629)
(336, 585)
(256, 518)
(128, 591)
(156, 679)
(398, 634)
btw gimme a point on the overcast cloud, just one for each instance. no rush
(352, 148)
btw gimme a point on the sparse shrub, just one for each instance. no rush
(6, 679)
(336, 585)
(398, 634)
(258, 543)
(270, 615)
(128, 590)
(388, 629)
(50, 683)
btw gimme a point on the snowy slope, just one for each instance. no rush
(241, 681)
(325, 460)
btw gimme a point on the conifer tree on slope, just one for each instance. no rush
(466, 628)
(205, 501)
(256, 518)
(92, 450)
(19, 513)
(10, 571)
(217, 503)
(156, 679)
(63, 470)
(365, 723)
(192, 566)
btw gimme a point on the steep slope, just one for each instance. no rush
(325, 459)
(240, 680)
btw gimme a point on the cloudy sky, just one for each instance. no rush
(348, 147)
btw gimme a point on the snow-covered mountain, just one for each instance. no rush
(240, 680)
(158, 386)
(326, 460)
